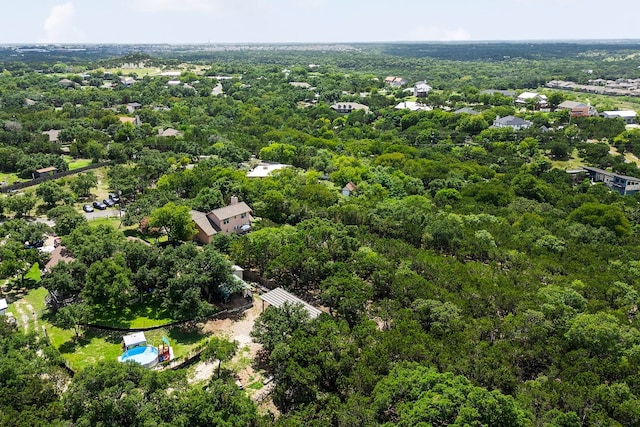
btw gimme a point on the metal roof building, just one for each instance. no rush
(278, 296)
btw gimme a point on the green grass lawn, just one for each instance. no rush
(78, 163)
(33, 273)
(96, 345)
(110, 221)
(574, 162)
(141, 315)
(10, 178)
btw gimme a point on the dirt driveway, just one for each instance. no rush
(236, 328)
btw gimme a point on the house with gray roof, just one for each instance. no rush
(516, 123)
(348, 107)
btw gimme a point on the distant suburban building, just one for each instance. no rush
(169, 132)
(421, 89)
(413, 106)
(508, 93)
(133, 106)
(232, 219)
(303, 85)
(466, 110)
(395, 81)
(525, 98)
(53, 135)
(348, 107)
(511, 122)
(577, 109)
(264, 169)
(349, 188)
(133, 120)
(127, 81)
(629, 116)
(51, 170)
(621, 183)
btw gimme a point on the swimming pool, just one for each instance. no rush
(144, 355)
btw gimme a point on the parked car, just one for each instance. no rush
(87, 208)
(99, 205)
(109, 202)
(114, 197)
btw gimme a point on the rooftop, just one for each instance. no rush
(264, 169)
(134, 339)
(231, 210)
(278, 296)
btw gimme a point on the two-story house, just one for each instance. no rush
(232, 219)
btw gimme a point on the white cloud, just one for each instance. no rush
(177, 6)
(434, 33)
(59, 26)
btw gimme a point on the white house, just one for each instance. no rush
(413, 106)
(539, 101)
(264, 169)
(421, 89)
(629, 116)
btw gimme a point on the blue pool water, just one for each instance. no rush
(145, 356)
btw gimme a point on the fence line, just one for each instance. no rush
(36, 181)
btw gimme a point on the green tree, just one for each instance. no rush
(74, 316)
(276, 325)
(52, 192)
(66, 219)
(21, 204)
(219, 349)
(601, 215)
(175, 220)
(83, 183)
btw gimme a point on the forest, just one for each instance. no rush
(467, 279)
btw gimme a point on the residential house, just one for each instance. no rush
(3, 306)
(348, 107)
(53, 135)
(127, 81)
(511, 121)
(349, 188)
(466, 110)
(532, 98)
(264, 169)
(133, 120)
(621, 183)
(169, 132)
(421, 89)
(303, 85)
(395, 81)
(133, 106)
(577, 109)
(66, 83)
(413, 106)
(629, 116)
(232, 219)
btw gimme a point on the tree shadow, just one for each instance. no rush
(261, 361)
(189, 333)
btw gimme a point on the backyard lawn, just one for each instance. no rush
(96, 345)
(76, 163)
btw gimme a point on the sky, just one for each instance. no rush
(313, 21)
